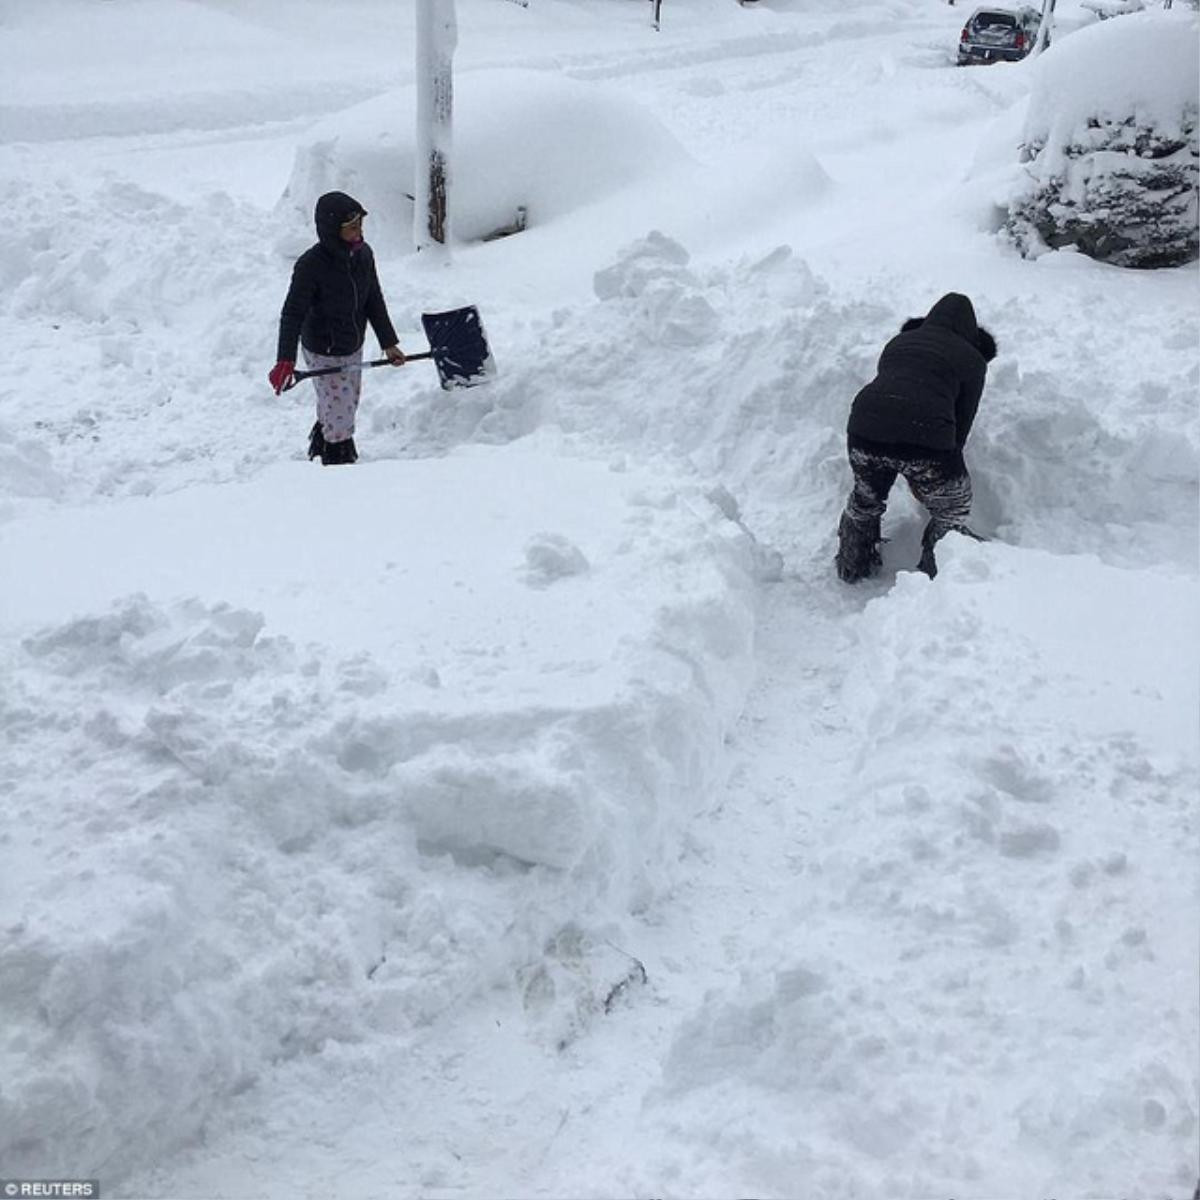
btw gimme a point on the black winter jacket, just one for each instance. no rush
(334, 291)
(928, 383)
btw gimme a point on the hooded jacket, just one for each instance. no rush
(928, 382)
(334, 290)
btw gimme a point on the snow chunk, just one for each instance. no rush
(550, 557)
(640, 265)
(653, 271)
(26, 468)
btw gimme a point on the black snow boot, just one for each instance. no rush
(316, 443)
(858, 549)
(928, 564)
(336, 453)
(930, 538)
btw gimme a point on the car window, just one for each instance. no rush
(985, 19)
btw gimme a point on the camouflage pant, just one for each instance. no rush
(337, 395)
(939, 482)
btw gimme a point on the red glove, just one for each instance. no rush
(280, 374)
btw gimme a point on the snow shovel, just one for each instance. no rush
(457, 345)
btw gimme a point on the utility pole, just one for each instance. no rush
(1043, 37)
(437, 37)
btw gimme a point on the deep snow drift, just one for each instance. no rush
(464, 722)
(528, 810)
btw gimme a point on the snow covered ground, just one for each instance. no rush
(528, 811)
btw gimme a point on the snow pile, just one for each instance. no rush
(112, 287)
(743, 371)
(86, 256)
(1115, 165)
(316, 784)
(1077, 445)
(739, 371)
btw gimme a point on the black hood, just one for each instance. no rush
(332, 209)
(956, 313)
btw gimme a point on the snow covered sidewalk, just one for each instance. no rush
(358, 745)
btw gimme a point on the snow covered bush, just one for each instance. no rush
(1111, 144)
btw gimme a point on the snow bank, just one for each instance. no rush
(1069, 455)
(744, 371)
(987, 890)
(360, 752)
(740, 371)
(112, 286)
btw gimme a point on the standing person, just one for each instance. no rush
(913, 419)
(334, 293)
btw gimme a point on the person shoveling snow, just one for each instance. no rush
(334, 293)
(913, 419)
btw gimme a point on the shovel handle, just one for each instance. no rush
(297, 376)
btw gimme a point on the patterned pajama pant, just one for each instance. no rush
(337, 395)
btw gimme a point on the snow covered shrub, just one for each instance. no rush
(1111, 144)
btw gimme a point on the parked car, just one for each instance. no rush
(998, 34)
